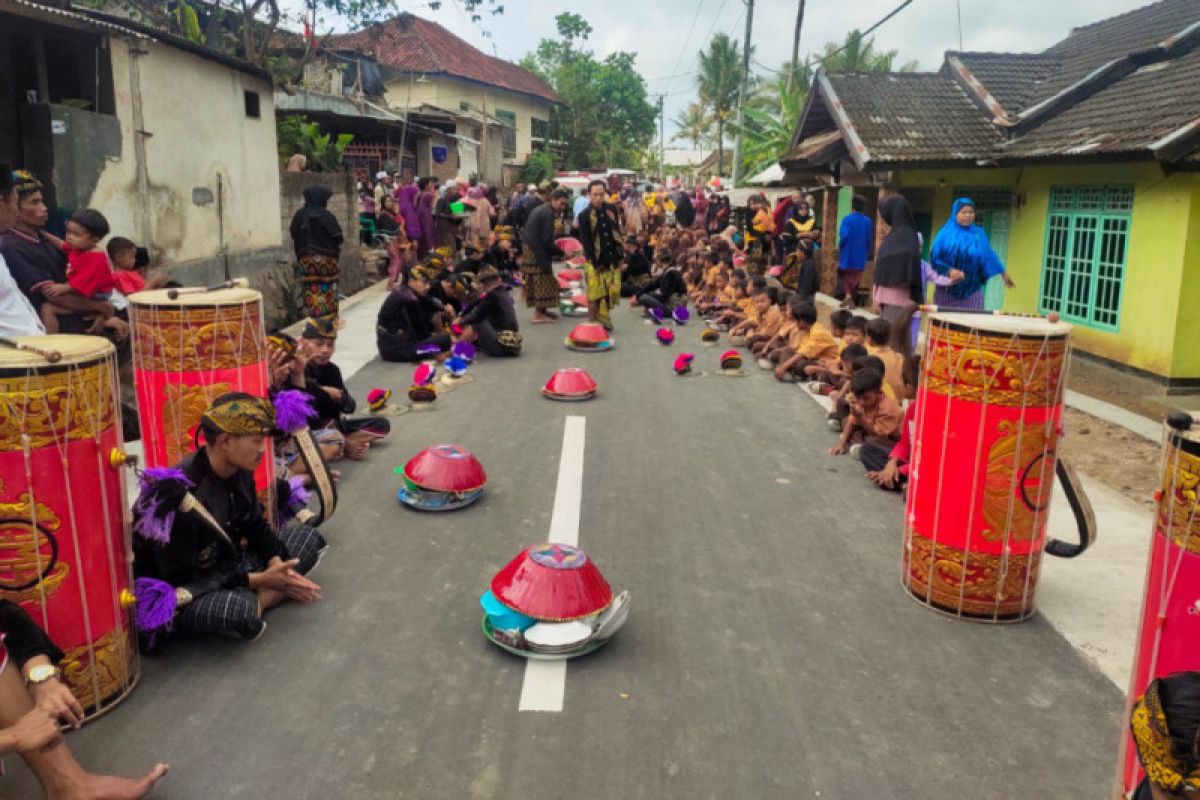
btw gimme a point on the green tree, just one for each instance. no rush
(858, 54)
(770, 120)
(694, 124)
(720, 76)
(607, 118)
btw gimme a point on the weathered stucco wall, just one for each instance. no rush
(446, 93)
(194, 129)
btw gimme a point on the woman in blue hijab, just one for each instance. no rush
(961, 253)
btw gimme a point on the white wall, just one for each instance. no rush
(195, 111)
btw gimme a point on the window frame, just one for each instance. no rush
(1106, 214)
(509, 132)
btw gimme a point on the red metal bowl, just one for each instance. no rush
(569, 244)
(446, 468)
(553, 582)
(579, 299)
(570, 275)
(589, 333)
(570, 381)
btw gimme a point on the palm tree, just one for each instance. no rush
(771, 118)
(858, 54)
(720, 74)
(694, 125)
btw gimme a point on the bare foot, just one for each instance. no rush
(111, 787)
(541, 319)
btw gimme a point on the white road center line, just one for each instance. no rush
(545, 682)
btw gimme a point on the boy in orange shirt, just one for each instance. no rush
(811, 343)
(874, 417)
(879, 331)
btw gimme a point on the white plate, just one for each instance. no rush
(557, 636)
(608, 623)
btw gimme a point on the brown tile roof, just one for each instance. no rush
(1128, 86)
(410, 44)
(910, 117)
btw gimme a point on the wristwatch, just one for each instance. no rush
(42, 673)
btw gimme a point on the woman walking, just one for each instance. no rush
(317, 239)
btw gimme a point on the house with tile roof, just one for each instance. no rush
(502, 110)
(1082, 160)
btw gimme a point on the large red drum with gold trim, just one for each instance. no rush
(987, 424)
(188, 351)
(1169, 633)
(63, 541)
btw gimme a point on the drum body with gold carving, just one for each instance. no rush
(63, 541)
(187, 352)
(1169, 632)
(987, 425)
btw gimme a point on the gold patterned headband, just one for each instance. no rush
(1148, 723)
(241, 415)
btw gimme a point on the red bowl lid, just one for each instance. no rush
(552, 581)
(446, 468)
(589, 333)
(579, 299)
(571, 381)
(563, 283)
(570, 275)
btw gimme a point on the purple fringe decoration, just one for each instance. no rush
(155, 608)
(296, 498)
(428, 350)
(464, 350)
(153, 521)
(681, 315)
(656, 314)
(293, 409)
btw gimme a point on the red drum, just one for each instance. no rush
(987, 426)
(187, 351)
(1169, 633)
(63, 543)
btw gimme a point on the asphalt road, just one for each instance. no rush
(770, 653)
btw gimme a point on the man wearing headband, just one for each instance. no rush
(36, 261)
(17, 317)
(321, 379)
(491, 322)
(538, 235)
(410, 319)
(226, 563)
(1165, 723)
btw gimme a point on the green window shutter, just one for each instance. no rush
(1083, 268)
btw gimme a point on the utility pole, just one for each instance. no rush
(796, 46)
(741, 115)
(662, 136)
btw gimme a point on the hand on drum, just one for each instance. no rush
(53, 697)
(281, 576)
(279, 363)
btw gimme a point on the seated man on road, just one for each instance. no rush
(491, 321)
(226, 563)
(30, 715)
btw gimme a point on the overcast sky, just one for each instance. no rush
(667, 34)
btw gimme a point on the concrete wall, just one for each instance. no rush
(195, 129)
(446, 93)
(344, 206)
(1161, 266)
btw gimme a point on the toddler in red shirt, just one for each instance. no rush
(88, 270)
(128, 262)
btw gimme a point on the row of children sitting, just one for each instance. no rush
(864, 366)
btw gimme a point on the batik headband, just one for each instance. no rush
(25, 182)
(319, 328)
(284, 342)
(241, 415)
(1148, 722)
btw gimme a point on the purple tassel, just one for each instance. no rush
(464, 350)
(292, 497)
(428, 350)
(162, 490)
(656, 314)
(293, 409)
(155, 607)
(681, 314)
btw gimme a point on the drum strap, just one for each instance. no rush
(314, 464)
(1081, 507)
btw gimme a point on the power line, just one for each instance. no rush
(832, 53)
(688, 38)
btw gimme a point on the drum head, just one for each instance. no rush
(1000, 325)
(74, 350)
(236, 296)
